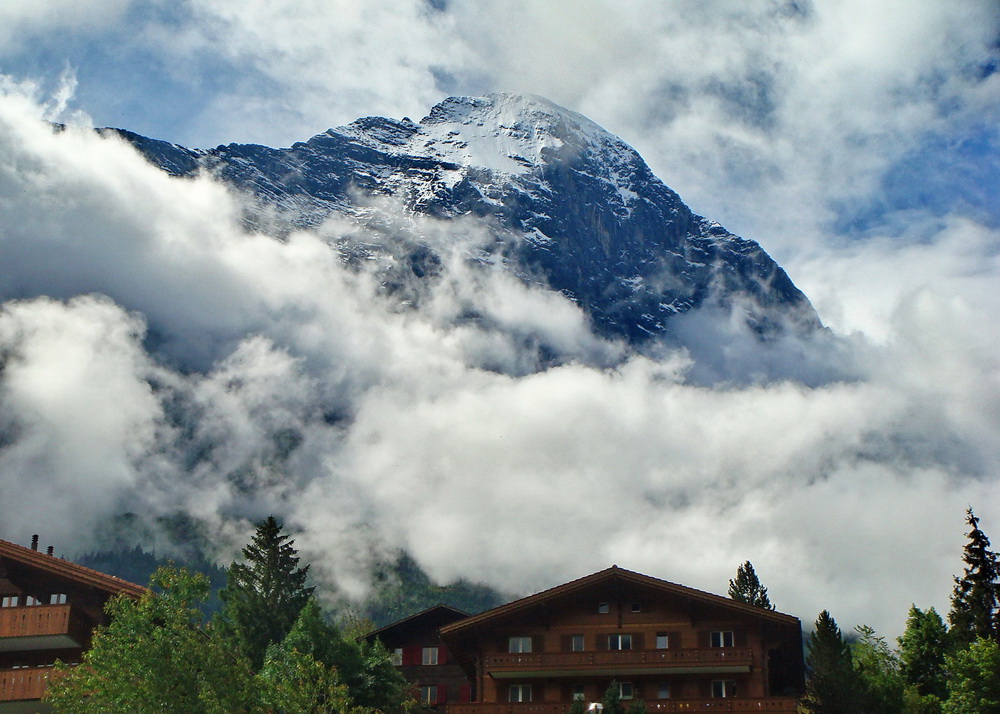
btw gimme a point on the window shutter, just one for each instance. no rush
(638, 641)
(566, 643)
(602, 641)
(537, 643)
(674, 640)
(442, 654)
(465, 693)
(740, 638)
(442, 693)
(411, 655)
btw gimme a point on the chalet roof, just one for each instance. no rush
(606, 576)
(60, 568)
(435, 616)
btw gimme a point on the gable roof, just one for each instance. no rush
(57, 567)
(607, 576)
(435, 616)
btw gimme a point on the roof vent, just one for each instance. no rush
(34, 542)
(49, 550)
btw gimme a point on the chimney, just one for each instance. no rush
(48, 551)
(34, 542)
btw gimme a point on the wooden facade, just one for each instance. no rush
(48, 610)
(425, 660)
(676, 648)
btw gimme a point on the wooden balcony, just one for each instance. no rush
(773, 705)
(716, 660)
(23, 684)
(42, 627)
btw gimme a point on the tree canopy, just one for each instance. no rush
(747, 588)
(974, 600)
(264, 594)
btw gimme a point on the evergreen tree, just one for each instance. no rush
(834, 687)
(747, 588)
(974, 599)
(577, 707)
(613, 700)
(265, 594)
(922, 649)
(637, 706)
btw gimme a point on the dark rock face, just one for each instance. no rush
(569, 205)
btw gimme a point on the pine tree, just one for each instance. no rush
(265, 594)
(746, 588)
(834, 686)
(974, 600)
(613, 700)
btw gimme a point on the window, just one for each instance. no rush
(429, 656)
(519, 644)
(10, 601)
(578, 643)
(578, 693)
(429, 694)
(619, 642)
(603, 608)
(722, 639)
(57, 599)
(664, 690)
(662, 640)
(625, 690)
(397, 657)
(31, 600)
(637, 607)
(723, 688)
(519, 693)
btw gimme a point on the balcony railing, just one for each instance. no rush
(638, 659)
(25, 683)
(42, 627)
(773, 705)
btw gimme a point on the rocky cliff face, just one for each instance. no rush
(567, 204)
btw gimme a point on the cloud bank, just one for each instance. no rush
(158, 358)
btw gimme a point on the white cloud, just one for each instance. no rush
(415, 427)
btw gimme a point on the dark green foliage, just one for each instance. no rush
(974, 682)
(264, 594)
(613, 700)
(365, 668)
(747, 588)
(577, 707)
(638, 706)
(834, 686)
(974, 599)
(922, 650)
(402, 588)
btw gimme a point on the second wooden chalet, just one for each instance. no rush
(674, 647)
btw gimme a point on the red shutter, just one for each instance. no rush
(465, 693)
(442, 654)
(411, 655)
(442, 691)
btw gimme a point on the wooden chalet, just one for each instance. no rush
(677, 648)
(48, 610)
(425, 661)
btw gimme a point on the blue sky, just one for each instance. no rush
(857, 141)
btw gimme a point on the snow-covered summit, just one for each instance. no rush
(571, 206)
